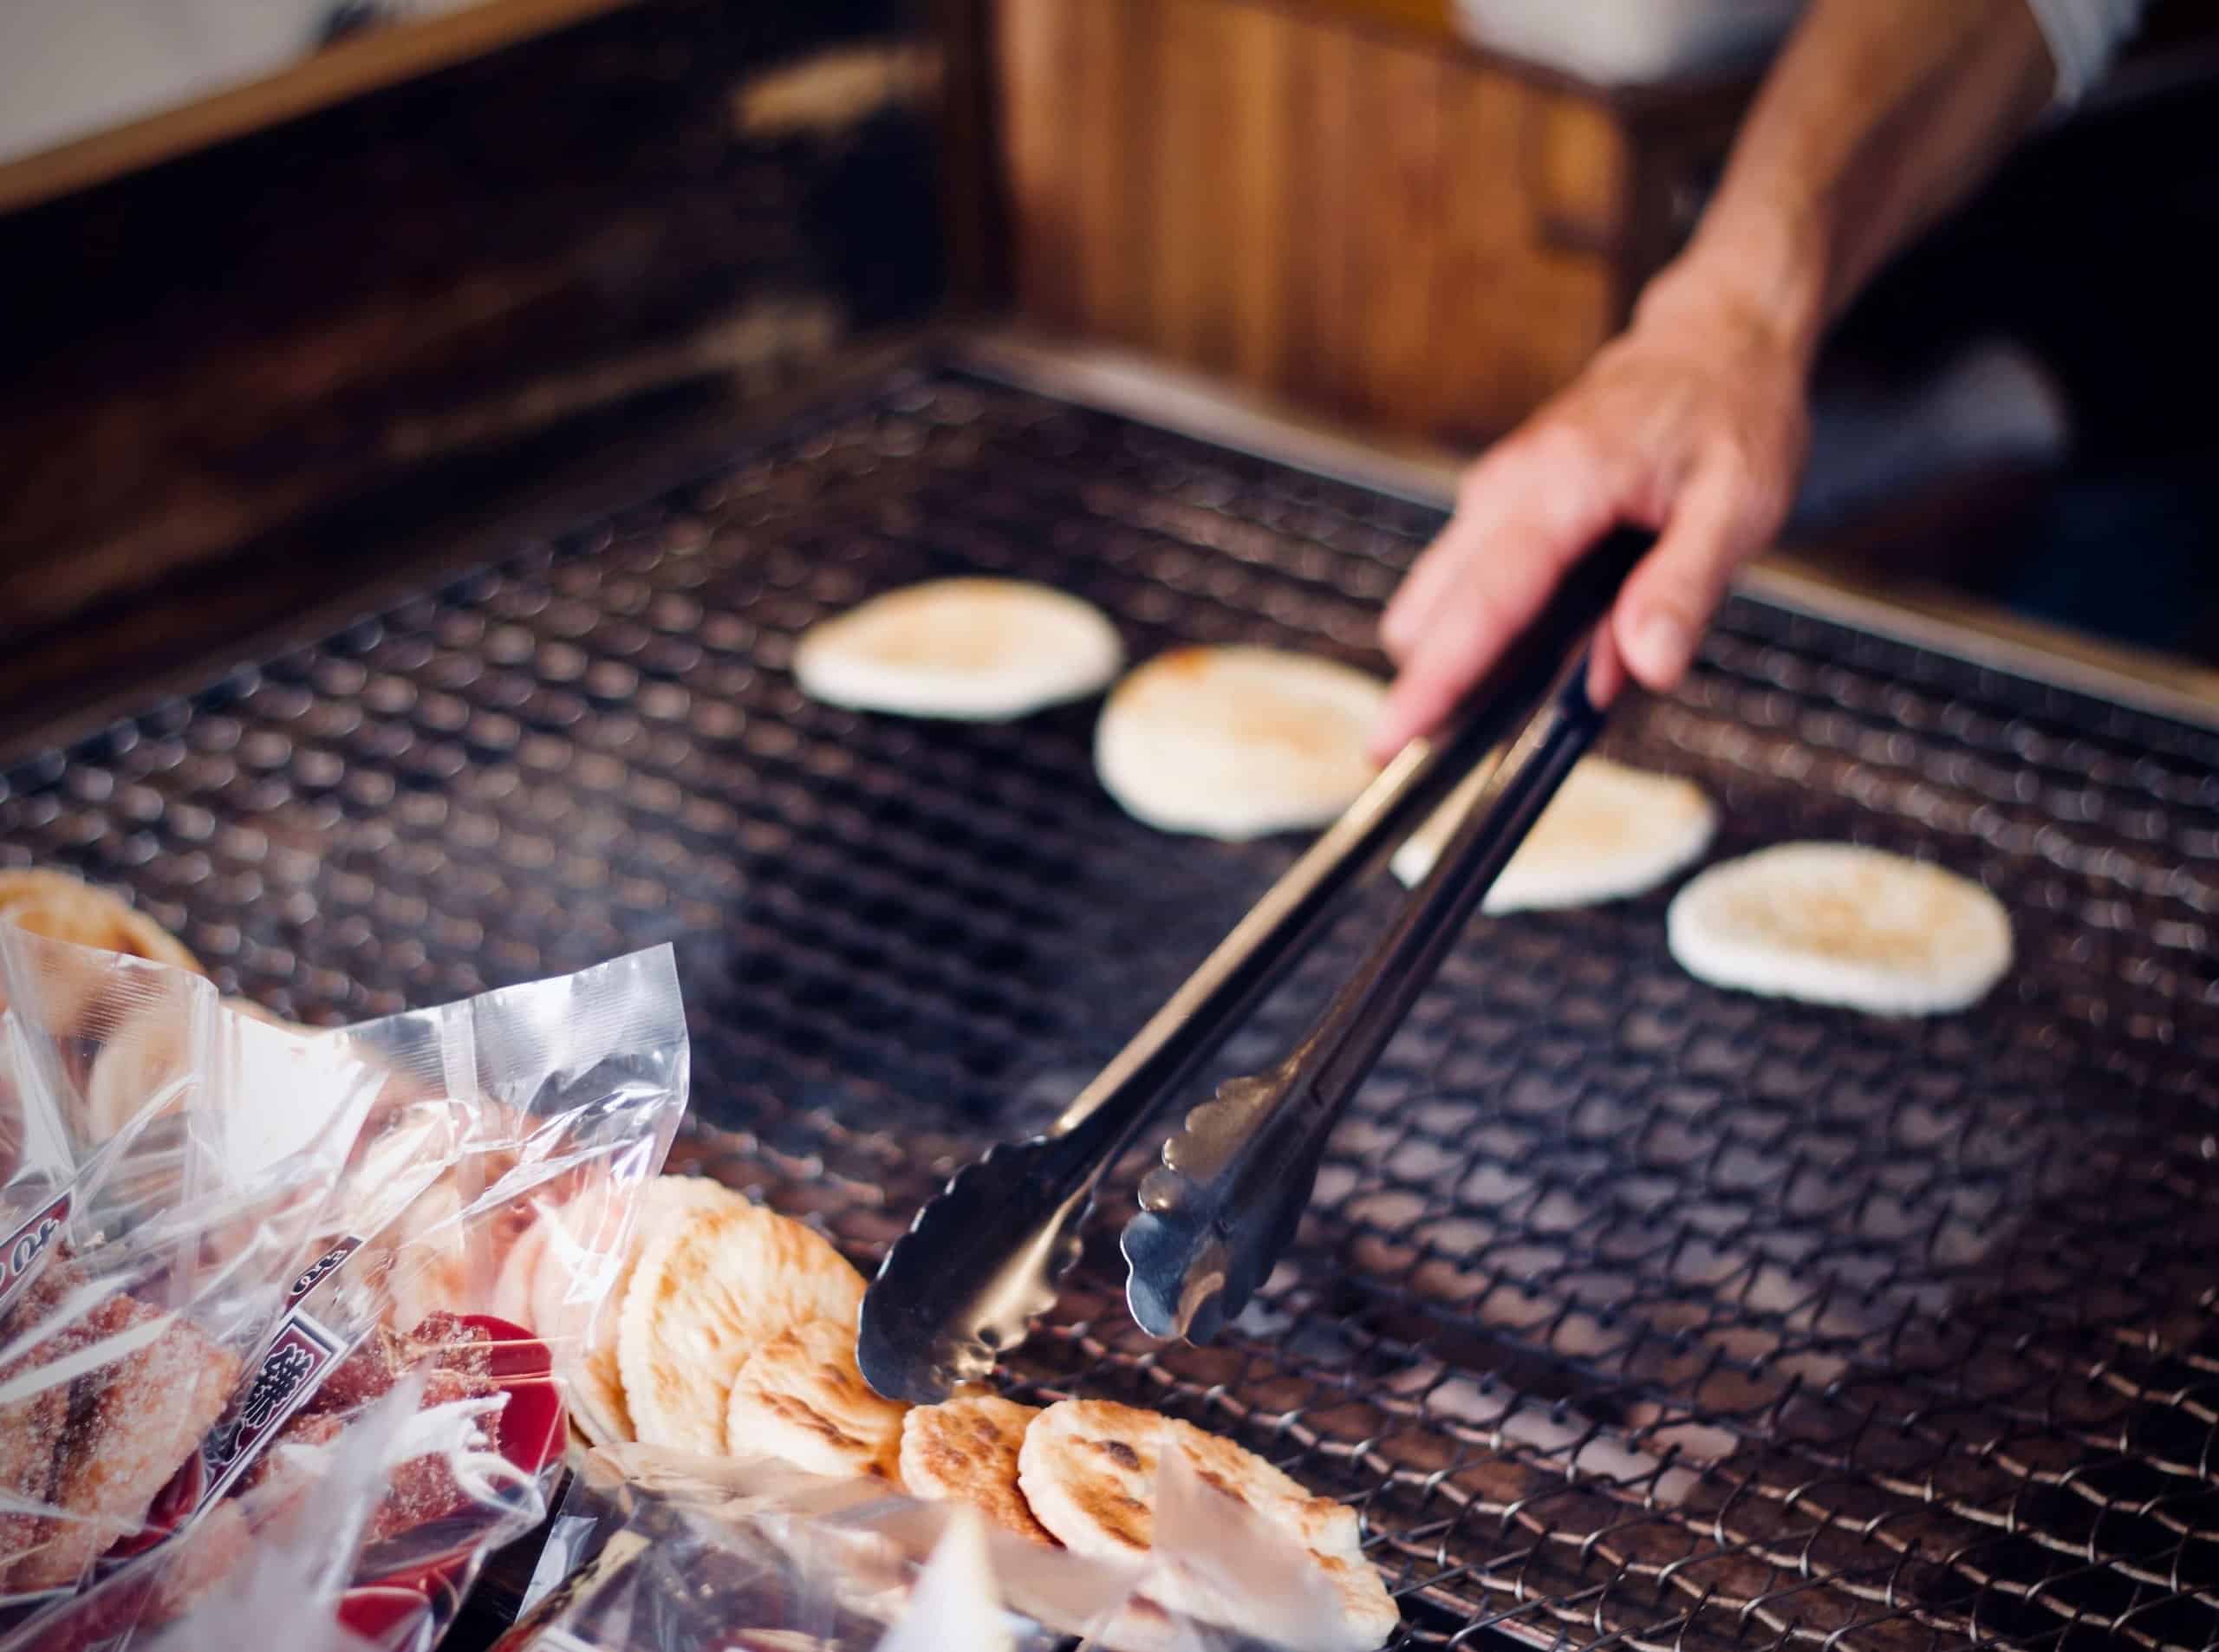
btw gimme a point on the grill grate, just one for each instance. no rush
(1628, 1311)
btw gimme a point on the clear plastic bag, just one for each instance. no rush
(165, 1160)
(281, 1555)
(654, 1552)
(472, 1244)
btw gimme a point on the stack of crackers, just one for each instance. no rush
(732, 1332)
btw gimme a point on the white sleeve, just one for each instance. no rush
(2083, 36)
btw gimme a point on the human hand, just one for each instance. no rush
(1693, 424)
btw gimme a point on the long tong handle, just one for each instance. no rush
(984, 1259)
(1234, 1182)
(1105, 1115)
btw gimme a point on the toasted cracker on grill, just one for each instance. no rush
(711, 1287)
(1837, 923)
(965, 1450)
(1088, 1470)
(63, 907)
(594, 1372)
(800, 1398)
(132, 1423)
(977, 649)
(1237, 742)
(1611, 832)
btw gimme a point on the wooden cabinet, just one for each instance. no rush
(1364, 216)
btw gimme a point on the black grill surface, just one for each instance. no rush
(1629, 1311)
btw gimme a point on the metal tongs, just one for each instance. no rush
(983, 1259)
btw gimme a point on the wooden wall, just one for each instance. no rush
(710, 202)
(1375, 221)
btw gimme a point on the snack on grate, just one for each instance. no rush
(1836, 923)
(1236, 742)
(711, 1287)
(981, 650)
(1611, 832)
(64, 907)
(965, 1450)
(800, 1398)
(1089, 1470)
(596, 1381)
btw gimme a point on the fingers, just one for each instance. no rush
(1409, 612)
(1521, 522)
(1717, 524)
(1606, 669)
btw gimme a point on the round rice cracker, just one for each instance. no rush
(711, 1287)
(63, 907)
(965, 1450)
(147, 1058)
(977, 650)
(594, 1371)
(57, 906)
(1236, 742)
(800, 1399)
(1611, 832)
(592, 1218)
(1838, 924)
(1088, 1471)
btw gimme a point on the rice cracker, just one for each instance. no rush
(595, 1371)
(1088, 1469)
(800, 1398)
(1840, 924)
(62, 908)
(711, 1287)
(965, 1450)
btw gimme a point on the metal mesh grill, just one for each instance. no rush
(1628, 1309)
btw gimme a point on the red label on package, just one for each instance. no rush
(27, 1250)
(294, 1363)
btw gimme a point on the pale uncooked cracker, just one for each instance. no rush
(1088, 1470)
(1833, 923)
(1611, 832)
(981, 650)
(711, 1287)
(799, 1398)
(596, 1376)
(1237, 742)
(965, 1450)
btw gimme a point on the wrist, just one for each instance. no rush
(1763, 279)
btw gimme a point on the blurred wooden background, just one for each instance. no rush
(1339, 205)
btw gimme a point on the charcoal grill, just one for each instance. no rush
(1628, 1312)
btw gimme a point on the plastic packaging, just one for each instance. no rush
(458, 1223)
(165, 1161)
(281, 1554)
(654, 1552)
(473, 1244)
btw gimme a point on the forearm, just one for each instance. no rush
(1878, 118)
